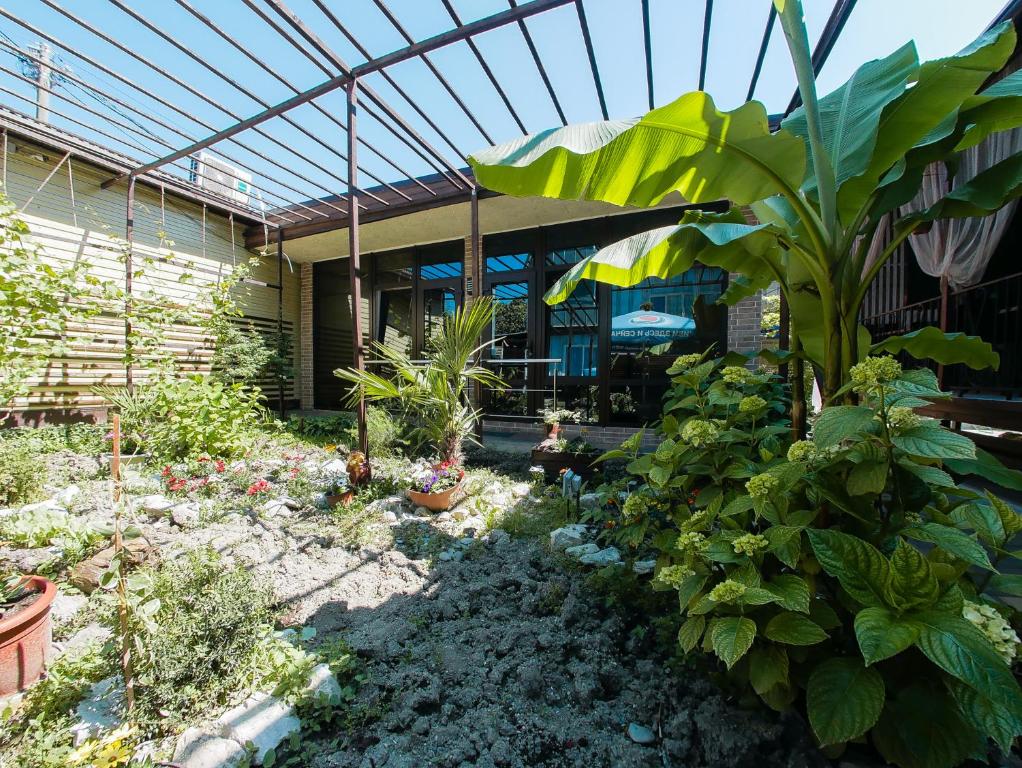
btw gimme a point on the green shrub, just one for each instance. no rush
(198, 416)
(198, 647)
(849, 574)
(42, 527)
(22, 474)
(384, 430)
(327, 429)
(88, 439)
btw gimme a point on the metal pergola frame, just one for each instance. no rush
(452, 179)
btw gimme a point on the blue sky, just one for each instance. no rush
(875, 28)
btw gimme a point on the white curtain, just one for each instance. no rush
(961, 248)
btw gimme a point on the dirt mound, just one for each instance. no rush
(506, 659)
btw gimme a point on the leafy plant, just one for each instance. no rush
(434, 396)
(22, 474)
(39, 302)
(44, 526)
(196, 416)
(137, 409)
(195, 642)
(13, 589)
(240, 354)
(88, 439)
(560, 416)
(820, 187)
(802, 567)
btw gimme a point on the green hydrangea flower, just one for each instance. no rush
(698, 520)
(699, 433)
(762, 485)
(687, 361)
(673, 575)
(874, 372)
(749, 544)
(994, 627)
(691, 542)
(635, 506)
(736, 375)
(751, 403)
(803, 450)
(901, 418)
(727, 591)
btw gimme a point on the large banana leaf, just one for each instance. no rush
(717, 240)
(945, 348)
(998, 108)
(687, 146)
(850, 115)
(943, 85)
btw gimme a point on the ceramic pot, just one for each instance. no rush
(25, 640)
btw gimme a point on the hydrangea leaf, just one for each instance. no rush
(844, 699)
(864, 573)
(951, 540)
(732, 637)
(881, 634)
(794, 629)
(839, 422)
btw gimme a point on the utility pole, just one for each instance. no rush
(42, 99)
(40, 68)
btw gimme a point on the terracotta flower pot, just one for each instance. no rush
(435, 502)
(333, 499)
(25, 640)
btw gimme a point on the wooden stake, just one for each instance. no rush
(122, 582)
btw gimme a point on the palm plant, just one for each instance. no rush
(817, 190)
(434, 396)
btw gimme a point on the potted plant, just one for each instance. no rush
(556, 453)
(25, 631)
(554, 417)
(339, 492)
(433, 395)
(434, 486)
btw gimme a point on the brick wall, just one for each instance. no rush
(743, 325)
(305, 339)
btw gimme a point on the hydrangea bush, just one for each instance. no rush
(848, 575)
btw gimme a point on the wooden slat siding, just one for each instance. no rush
(67, 379)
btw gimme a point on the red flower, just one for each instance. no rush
(259, 486)
(177, 484)
(295, 471)
(166, 471)
(219, 465)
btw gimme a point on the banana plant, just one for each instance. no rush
(806, 199)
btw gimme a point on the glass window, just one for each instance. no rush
(651, 324)
(565, 257)
(584, 398)
(508, 262)
(510, 325)
(437, 303)
(572, 331)
(441, 270)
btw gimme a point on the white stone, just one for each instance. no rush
(99, 711)
(262, 720)
(82, 639)
(156, 504)
(474, 521)
(497, 537)
(323, 685)
(185, 514)
(460, 512)
(276, 507)
(196, 748)
(422, 512)
(589, 548)
(334, 467)
(640, 734)
(520, 490)
(390, 517)
(445, 517)
(568, 536)
(65, 607)
(589, 500)
(50, 505)
(608, 556)
(643, 567)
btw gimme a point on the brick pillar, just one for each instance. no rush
(743, 325)
(305, 393)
